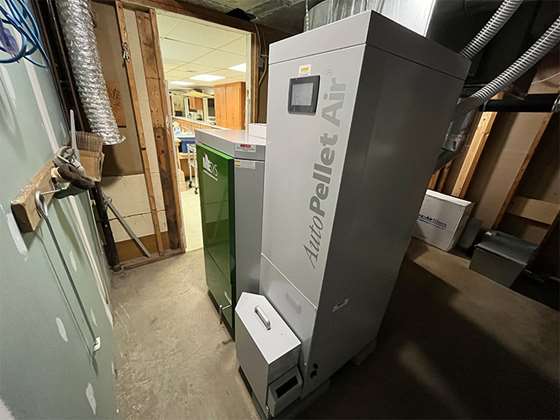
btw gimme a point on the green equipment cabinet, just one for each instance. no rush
(231, 182)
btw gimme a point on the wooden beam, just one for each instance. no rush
(537, 210)
(178, 238)
(433, 180)
(468, 167)
(530, 152)
(157, 96)
(23, 206)
(139, 127)
(444, 172)
(196, 11)
(140, 261)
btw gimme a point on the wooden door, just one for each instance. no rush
(220, 105)
(230, 105)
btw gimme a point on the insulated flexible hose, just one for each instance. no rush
(536, 52)
(492, 27)
(79, 35)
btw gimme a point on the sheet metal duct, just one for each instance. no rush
(412, 14)
(77, 26)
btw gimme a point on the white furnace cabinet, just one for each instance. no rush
(357, 112)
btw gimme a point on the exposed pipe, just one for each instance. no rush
(492, 27)
(77, 27)
(532, 56)
(538, 102)
(465, 110)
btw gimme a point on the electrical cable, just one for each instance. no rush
(20, 18)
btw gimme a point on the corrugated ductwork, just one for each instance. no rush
(77, 25)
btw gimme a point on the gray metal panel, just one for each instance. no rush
(389, 129)
(265, 354)
(296, 139)
(395, 39)
(496, 267)
(401, 115)
(377, 31)
(276, 403)
(296, 310)
(333, 36)
(508, 246)
(235, 143)
(249, 184)
(251, 361)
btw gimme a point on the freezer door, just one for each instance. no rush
(215, 174)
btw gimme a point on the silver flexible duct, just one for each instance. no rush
(492, 27)
(455, 139)
(532, 56)
(77, 26)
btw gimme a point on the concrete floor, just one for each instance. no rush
(453, 345)
(192, 222)
(174, 360)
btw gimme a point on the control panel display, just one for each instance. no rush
(303, 95)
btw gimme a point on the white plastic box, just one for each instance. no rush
(442, 219)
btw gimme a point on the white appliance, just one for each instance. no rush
(357, 112)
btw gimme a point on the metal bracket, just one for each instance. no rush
(125, 52)
(222, 308)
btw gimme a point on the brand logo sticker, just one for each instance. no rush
(209, 168)
(304, 69)
(322, 171)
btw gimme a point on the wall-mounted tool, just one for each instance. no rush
(63, 176)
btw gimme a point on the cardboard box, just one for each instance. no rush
(92, 163)
(442, 219)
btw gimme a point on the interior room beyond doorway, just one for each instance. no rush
(207, 72)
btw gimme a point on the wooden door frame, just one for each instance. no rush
(201, 13)
(257, 32)
(119, 8)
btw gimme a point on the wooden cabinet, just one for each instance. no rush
(195, 104)
(230, 105)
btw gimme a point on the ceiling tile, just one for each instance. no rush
(196, 68)
(220, 59)
(166, 24)
(230, 74)
(169, 64)
(174, 75)
(236, 47)
(174, 50)
(201, 34)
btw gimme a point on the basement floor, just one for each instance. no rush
(453, 345)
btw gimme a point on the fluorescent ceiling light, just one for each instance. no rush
(239, 67)
(181, 83)
(207, 77)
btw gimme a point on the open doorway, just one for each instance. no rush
(207, 72)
